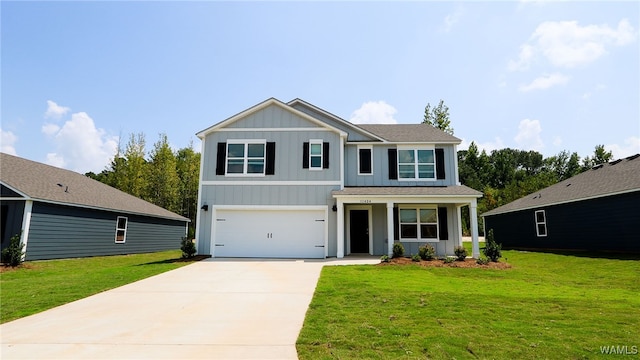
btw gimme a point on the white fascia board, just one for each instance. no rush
(262, 105)
(385, 142)
(271, 207)
(406, 199)
(270, 183)
(541, 206)
(25, 196)
(334, 117)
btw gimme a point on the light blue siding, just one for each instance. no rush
(271, 117)
(380, 164)
(353, 135)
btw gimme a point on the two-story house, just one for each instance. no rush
(290, 180)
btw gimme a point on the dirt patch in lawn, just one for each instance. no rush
(467, 263)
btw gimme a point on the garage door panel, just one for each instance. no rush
(270, 233)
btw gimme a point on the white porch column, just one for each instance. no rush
(26, 225)
(473, 214)
(390, 228)
(340, 227)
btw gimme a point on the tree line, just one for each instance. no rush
(162, 177)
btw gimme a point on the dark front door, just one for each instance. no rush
(359, 231)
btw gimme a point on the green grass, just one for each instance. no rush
(545, 306)
(41, 285)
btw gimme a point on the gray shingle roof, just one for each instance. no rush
(410, 133)
(40, 182)
(459, 190)
(613, 178)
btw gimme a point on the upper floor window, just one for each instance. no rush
(246, 157)
(315, 155)
(121, 230)
(416, 163)
(364, 160)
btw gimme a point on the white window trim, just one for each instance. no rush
(369, 147)
(126, 225)
(417, 209)
(246, 143)
(415, 149)
(321, 143)
(535, 218)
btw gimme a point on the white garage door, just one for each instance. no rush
(270, 233)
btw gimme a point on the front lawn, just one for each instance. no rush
(545, 306)
(41, 285)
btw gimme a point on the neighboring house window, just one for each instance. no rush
(418, 224)
(246, 158)
(365, 160)
(416, 164)
(541, 223)
(121, 230)
(315, 155)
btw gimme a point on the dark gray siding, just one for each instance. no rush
(6, 192)
(12, 213)
(62, 232)
(602, 224)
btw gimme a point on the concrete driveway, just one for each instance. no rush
(212, 309)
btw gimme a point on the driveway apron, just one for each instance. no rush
(212, 309)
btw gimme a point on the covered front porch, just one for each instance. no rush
(371, 219)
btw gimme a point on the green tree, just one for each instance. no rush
(438, 117)
(188, 169)
(135, 171)
(600, 156)
(163, 180)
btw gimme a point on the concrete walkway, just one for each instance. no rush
(212, 309)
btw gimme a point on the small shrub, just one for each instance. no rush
(13, 254)
(461, 253)
(188, 248)
(416, 257)
(492, 250)
(448, 259)
(482, 261)
(427, 252)
(384, 258)
(398, 250)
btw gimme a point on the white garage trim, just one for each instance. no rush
(218, 208)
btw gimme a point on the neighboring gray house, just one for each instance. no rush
(63, 214)
(597, 210)
(292, 180)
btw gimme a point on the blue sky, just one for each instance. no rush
(544, 76)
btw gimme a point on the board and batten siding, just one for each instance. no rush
(353, 135)
(442, 247)
(288, 155)
(271, 117)
(12, 215)
(59, 231)
(607, 223)
(380, 165)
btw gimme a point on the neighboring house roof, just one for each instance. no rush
(46, 183)
(617, 177)
(457, 190)
(411, 133)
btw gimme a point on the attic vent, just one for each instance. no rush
(632, 157)
(569, 184)
(597, 167)
(615, 162)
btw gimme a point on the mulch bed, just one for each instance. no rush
(467, 263)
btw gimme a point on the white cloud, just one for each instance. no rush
(545, 82)
(7, 142)
(55, 111)
(528, 137)
(567, 44)
(80, 146)
(557, 141)
(631, 147)
(452, 19)
(374, 112)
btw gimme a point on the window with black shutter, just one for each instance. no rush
(364, 161)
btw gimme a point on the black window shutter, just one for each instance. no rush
(393, 164)
(440, 164)
(365, 161)
(305, 155)
(396, 224)
(325, 155)
(221, 158)
(270, 166)
(442, 223)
